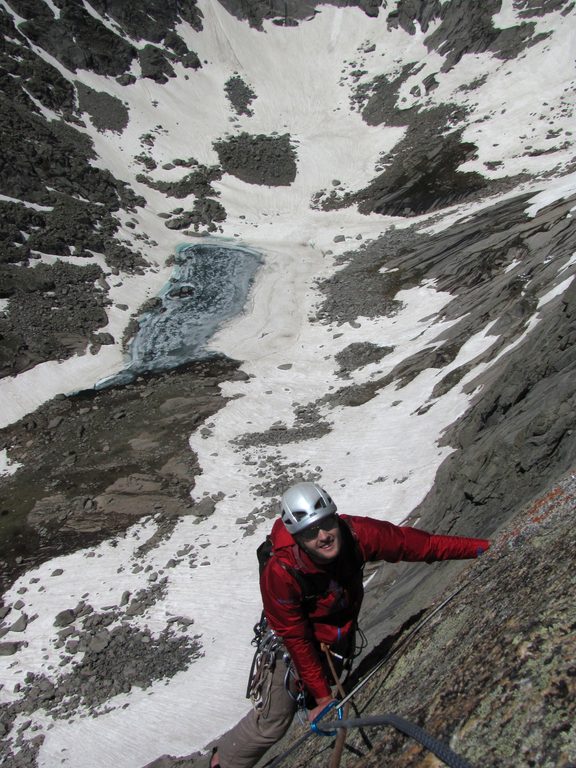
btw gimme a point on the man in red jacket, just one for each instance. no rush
(312, 593)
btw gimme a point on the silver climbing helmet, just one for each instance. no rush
(303, 505)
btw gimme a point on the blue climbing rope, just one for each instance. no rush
(429, 742)
(438, 748)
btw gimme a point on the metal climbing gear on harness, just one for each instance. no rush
(269, 648)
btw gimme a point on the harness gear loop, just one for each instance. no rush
(269, 648)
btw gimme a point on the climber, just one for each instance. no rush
(311, 585)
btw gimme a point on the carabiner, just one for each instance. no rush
(323, 713)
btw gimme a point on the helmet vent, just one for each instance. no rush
(305, 504)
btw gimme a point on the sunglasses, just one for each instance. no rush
(327, 524)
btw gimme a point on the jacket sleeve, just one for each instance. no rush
(381, 540)
(281, 597)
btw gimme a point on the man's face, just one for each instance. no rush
(323, 540)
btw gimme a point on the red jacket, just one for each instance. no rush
(303, 622)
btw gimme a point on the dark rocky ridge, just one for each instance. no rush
(80, 41)
(40, 155)
(421, 173)
(269, 160)
(466, 28)
(54, 310)
(66, 209)
(48, 163)
(291, 12)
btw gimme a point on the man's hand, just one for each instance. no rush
(320, 705)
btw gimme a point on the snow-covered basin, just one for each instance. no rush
(373, 461)
(379, 458)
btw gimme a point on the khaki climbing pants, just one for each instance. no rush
(259, 730)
